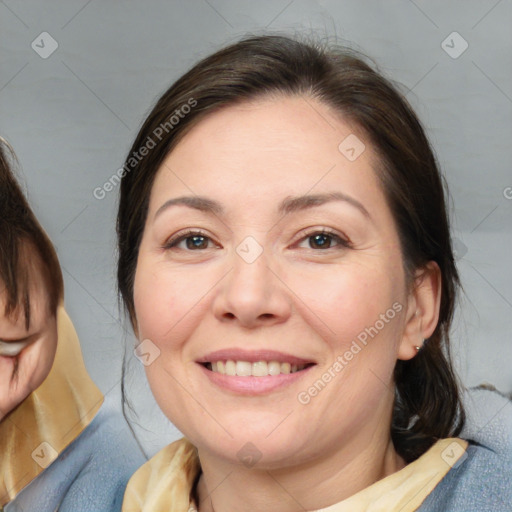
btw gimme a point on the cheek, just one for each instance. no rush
(35, 364)
(343, 301)
(165, 301)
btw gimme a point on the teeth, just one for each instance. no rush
(260, 369)
(12, 349)
(257, 369)
(274, 368)
(230, 368)
(243, 368)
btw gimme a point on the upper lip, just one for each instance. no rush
(252, 356)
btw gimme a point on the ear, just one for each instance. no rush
(422, 310)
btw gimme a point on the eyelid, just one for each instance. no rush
(182, 235)
(344, 241)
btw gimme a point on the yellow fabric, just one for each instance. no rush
(406, 489)
(55, 413)
(165, 483)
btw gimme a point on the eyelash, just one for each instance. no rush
(342, 242)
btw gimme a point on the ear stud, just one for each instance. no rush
(418, 347)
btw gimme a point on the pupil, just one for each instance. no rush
(195, 242)
(321, 240)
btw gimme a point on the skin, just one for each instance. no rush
(22, 374)
(295, 297)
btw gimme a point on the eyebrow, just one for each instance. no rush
(287, 205)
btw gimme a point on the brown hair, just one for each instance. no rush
(21, 235)
(427, 405)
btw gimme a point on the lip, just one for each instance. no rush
(253, 386)
(252, 356)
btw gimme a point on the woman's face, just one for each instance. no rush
(26, 355)
(234, 276)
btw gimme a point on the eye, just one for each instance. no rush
(192, 240)
(325, 239)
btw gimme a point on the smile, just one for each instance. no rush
(12, 349)
(253, 372)
(256, 369)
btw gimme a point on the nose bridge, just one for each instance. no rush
(251, 270)
(251, 292)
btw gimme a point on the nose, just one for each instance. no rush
(252, 295)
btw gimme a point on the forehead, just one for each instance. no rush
(267, 149)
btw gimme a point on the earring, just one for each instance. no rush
(420, 346)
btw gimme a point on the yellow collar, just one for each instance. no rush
(166, 481)
(50, 418)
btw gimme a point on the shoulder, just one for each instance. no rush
(167, 477)
(481, 480)
(91, 473)
(109, 456)
(489, 420)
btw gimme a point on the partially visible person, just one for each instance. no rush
(60, 448)
(286, 247)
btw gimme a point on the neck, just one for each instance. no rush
(308, 486)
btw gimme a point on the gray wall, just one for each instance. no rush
(72, 116)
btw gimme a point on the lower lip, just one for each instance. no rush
(253, 385)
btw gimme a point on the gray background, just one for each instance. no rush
(72, 116)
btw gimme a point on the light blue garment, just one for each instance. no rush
(91, 474)
(483, 480)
